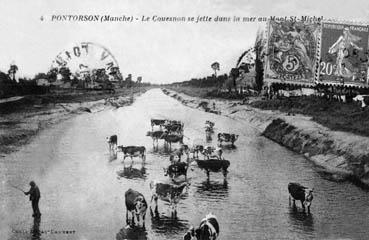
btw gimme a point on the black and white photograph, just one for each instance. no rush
(184, 119)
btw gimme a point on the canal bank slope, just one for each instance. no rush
(23, 119)
(342, 155)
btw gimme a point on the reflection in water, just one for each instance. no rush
(112, 156)
(168, 226)
(132, 233)
(208, 136)
(228, 146)
(36, 234)
(213, 189)
(161, 151)
(301, 219)
(130, 172)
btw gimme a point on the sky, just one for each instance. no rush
(159, 52)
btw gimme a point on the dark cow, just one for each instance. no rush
(227, 137)
(136, 205)
(167, 192)
(208, 229)
(133, 151)
(112, 141)
(176, 169)
(214, 165)
(301, 193)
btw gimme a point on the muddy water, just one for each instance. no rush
(82, 189)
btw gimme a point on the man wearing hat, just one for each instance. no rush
(35, 195)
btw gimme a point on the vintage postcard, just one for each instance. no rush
(184, 119)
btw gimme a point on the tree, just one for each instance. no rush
(115, 73)
(65, 72)
(4, 78)
(101, 75)
(52, 74)
(216, 67)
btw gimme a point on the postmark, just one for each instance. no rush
(86, 59)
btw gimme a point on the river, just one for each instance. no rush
(82, 188)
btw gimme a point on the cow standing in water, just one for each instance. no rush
(214, 165)
(157, 122)
(136, 205)
(208, 229)
(176, 169)
(301, 193)
(133, 151)
(227, 137)
(170, 193)
(209, 126)
(113, 142)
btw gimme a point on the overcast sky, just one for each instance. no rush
(160, 52)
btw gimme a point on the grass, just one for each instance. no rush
(66, 96)
(347, 117)
(21, 120)
(337, 116)
(211, 92)
(191, 91)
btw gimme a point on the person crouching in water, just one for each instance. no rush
(35, 195)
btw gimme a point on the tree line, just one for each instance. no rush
(41, 83)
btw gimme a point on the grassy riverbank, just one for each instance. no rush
(341, 155)
(208, 92)
(337, 116)
(21, 120)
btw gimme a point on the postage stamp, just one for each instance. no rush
(342, 54)
(291, 51)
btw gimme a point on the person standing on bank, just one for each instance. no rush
(35, 195)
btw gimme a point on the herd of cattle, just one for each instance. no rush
(171, 132)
